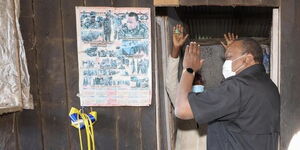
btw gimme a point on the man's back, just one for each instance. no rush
(243, 113)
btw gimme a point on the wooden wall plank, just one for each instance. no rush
(129, 118)
(220, 3)
(166, 2)
(125, 3)
(129, 126)
(51, 75)
(29, 130)
(270, 3)
(148, 113)
(71, 64)
(246, 2)
(106, 129)
(161, 105)
(8, 139)
(193, 2)
(29, 121)
(289, 73)
(98, 3)
(57, 79)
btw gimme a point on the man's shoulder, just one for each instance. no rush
(235, 80)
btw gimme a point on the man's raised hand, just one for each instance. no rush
(192, 57)
(229, 38)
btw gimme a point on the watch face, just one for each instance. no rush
(190, 70)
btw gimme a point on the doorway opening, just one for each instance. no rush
(206, 25)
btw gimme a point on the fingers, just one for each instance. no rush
(226, 37)
(186, 51)
(231, 36)
(201, 62)
(223, 44)
(198, 52)
(194, 49)
(192, 56)
(178, 29)
(181, 28)
(186, 36)
(175, 29)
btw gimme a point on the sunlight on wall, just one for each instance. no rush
(295, 142)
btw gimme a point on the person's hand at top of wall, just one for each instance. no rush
(192, 57)
(178, 40)
(229, 38)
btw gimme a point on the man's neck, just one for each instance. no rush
(246, 66)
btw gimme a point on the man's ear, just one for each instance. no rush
(249, 59)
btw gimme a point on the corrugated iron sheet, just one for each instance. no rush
(212, 21)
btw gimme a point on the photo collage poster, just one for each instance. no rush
(114, 56)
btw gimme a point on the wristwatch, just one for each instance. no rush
(189, 70)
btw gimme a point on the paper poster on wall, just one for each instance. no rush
(114, 56)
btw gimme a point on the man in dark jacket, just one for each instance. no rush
(243, 112)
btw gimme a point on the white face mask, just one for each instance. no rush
(227, 68)
(198, 88)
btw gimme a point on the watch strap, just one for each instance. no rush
(185, 70)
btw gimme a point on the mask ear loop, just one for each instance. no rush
(242, 64)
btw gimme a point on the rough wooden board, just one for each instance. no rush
(128, 118)
(290, 73)
(26, 21)
(8, 138)
(129, 124)
(161, 88)
(148, 126)
(148, 113)
(51, 75)
(29, 121)
(4, 110)
(220, 2)
(27, 30)
(99, 3)
(270, 3)
(55, 41)
(193, 2)
(71, 65)
(26, 8)
(166, 2)
(29, 130)
(106, 128)
(246, 2)
(125, 3)
(138, 116)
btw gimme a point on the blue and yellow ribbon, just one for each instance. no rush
(85, 121)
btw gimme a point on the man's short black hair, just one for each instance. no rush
(133, 14)
(251, 46)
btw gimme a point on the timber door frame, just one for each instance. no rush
(275, 48)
